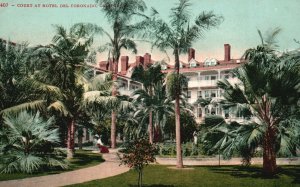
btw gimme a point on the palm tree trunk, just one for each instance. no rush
(150, 128)
(70, 142)
(269, 154)
(179, 163)
(114, 114)
(178, 137)
(80, 142)
(113, 129)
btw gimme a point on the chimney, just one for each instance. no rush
(139, 60)
(124, 63)
(191, 54)
(227, 52)
(147, 60)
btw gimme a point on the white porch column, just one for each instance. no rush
(128, 84)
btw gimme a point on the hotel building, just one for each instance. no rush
(202, 78)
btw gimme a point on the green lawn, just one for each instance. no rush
(82, 159)
(214, 176)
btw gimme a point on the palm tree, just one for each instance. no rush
(178, 34)
(27, 144)
(98, 100)
(119, 14)
(153, 106)
(19, 88)
(149, 77)
(62, 62)
(268, 88)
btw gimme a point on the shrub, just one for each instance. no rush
(188, 149)
(213, 120)
(27, 144)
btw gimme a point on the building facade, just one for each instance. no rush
(202, 78)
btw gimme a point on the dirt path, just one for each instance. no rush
(106, 169)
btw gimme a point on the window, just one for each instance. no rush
(206, 94)
(199, 94)
(213, 111)
(213, 77)
(193, 64)
(206, 110)
(213, 94)
(206, 77)
(210, 62)
(189, 94)
(134, 87)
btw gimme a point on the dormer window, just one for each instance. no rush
(193, 64)
(210, 62)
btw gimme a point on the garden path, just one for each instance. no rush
(106, 169)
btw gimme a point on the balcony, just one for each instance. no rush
(202, 83)
(194, 83)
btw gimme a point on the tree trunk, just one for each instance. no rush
(179, 163)
(150, 128)
(113, 129)
(114, 114)
(269, 154)
(178, 137)
(70, 142)
(80, 142)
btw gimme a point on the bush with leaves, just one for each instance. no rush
(137, 155)
(188, 126)
(27, 144)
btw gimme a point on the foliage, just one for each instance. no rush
(189, 125)
(157, 103)
(212, 120)
(188, 149)
(268, 87)
(19, 90)
(62, 64)
(171, 88)
(137, 155)
(178, 34)
(82, 159)
(27, 144)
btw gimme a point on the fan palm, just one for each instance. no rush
(119, 14)
(178, 34)
(268, 87)
(27, 144)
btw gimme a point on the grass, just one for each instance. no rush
(162, 176)
(82, 159)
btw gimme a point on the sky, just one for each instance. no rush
(242, 19)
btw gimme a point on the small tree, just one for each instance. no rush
(137, 155)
